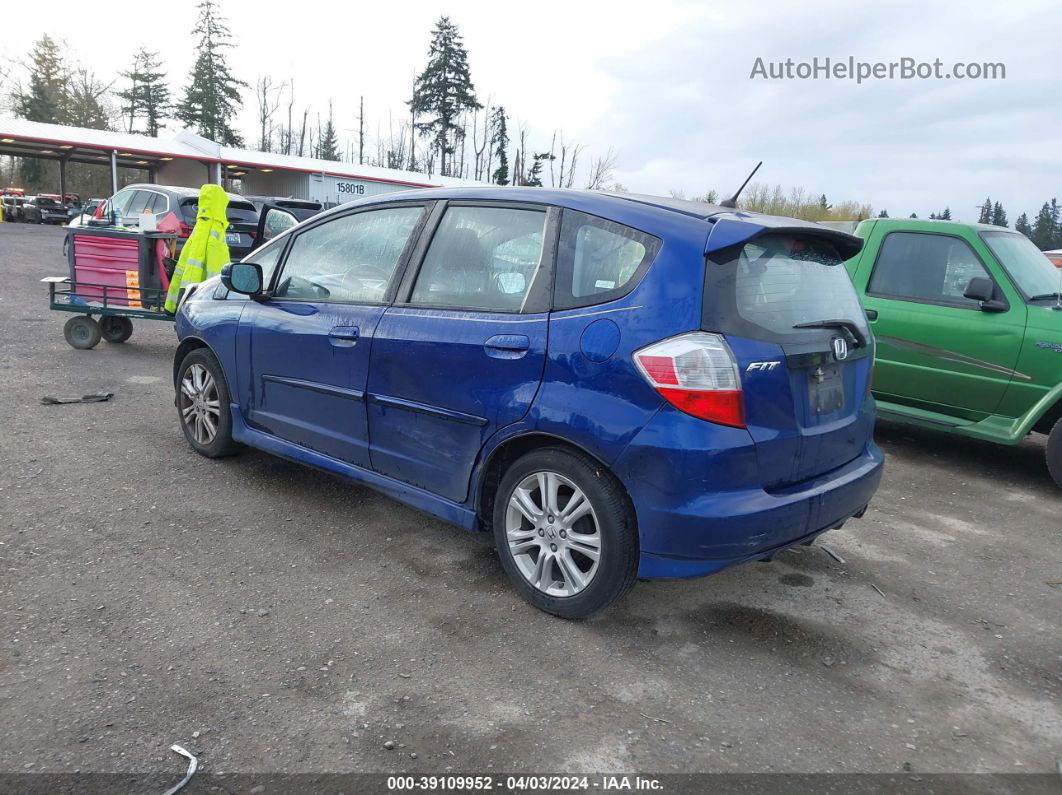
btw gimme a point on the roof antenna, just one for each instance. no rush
(732, 201)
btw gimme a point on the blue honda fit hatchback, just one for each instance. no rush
(616, 386)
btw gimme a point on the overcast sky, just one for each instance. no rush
(666, 84)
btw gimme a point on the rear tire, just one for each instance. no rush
(82, 332)
(570, 567)
(116, 329)
(1054, 453)
(203, 405)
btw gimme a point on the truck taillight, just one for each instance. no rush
(696, 373)
(185, 230)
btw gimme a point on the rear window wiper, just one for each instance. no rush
(1045, 296)
(847, 325)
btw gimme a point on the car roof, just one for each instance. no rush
(181, 190)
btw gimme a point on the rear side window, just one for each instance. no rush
(764, 288)
(482, 258)
(599, 260)
(925, 267)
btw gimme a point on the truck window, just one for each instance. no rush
(925, 267)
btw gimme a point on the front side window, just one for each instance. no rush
(925, 267)
(348, 259)
(598, 259)
(266, 258)
(482, 258)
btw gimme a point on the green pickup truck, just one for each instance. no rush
(968, 323)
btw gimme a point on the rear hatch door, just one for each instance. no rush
(792, 318)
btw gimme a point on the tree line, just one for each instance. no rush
(450, 130)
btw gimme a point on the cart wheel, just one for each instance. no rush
(82, 332)
(116, 329)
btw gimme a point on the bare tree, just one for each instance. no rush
(602, 171)
(361, 131)
(268, 95)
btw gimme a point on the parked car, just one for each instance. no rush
(13, 208)
(1055, 257)
(44, 209)
(616, 387)
(968, 320)
(129, 204)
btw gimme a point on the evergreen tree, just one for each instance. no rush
(883, 214)
(148, 96)
(443, 91)
(999, 215)
(500, 143)
(213, 94)
(986, 212)
(1045, 227)
(933, 216)
(913, 215)
(327, 140)
(1022, 225)
(534, 175)
(946, 215)
(45, 99)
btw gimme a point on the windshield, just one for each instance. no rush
(770, 286)
(1031, 271)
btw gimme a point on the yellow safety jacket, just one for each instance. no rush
(205, 251)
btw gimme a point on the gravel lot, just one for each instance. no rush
(272, 618)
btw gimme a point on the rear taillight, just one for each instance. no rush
(185, 230)
(696, 373)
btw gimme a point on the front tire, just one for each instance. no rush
(203, 405)
(1054, 453)
(565, 532)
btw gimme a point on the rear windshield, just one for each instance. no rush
(47, 203)
(764, 288)
(237, 212)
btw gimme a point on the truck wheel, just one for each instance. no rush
(82, 332)
(1054, 453)
(565, 532)
(203, 405)
(116, 329)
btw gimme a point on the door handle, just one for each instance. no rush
(872, 314)
(507, 346)
(344, 334)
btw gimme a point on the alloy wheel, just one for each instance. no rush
(200, 405)
(553, 534)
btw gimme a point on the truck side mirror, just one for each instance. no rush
(980, 288)
(983, 290)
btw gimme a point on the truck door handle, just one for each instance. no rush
(507, 346)
(341, 334)
(872, 314)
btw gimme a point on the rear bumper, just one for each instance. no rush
(698, 521)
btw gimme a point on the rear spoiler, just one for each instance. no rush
(734, 228)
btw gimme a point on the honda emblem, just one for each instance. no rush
(840, 348)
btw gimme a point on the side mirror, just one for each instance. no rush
(982, 289)
(242, 277)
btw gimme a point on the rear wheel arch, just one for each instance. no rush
(509, 451)
(1046, 421)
